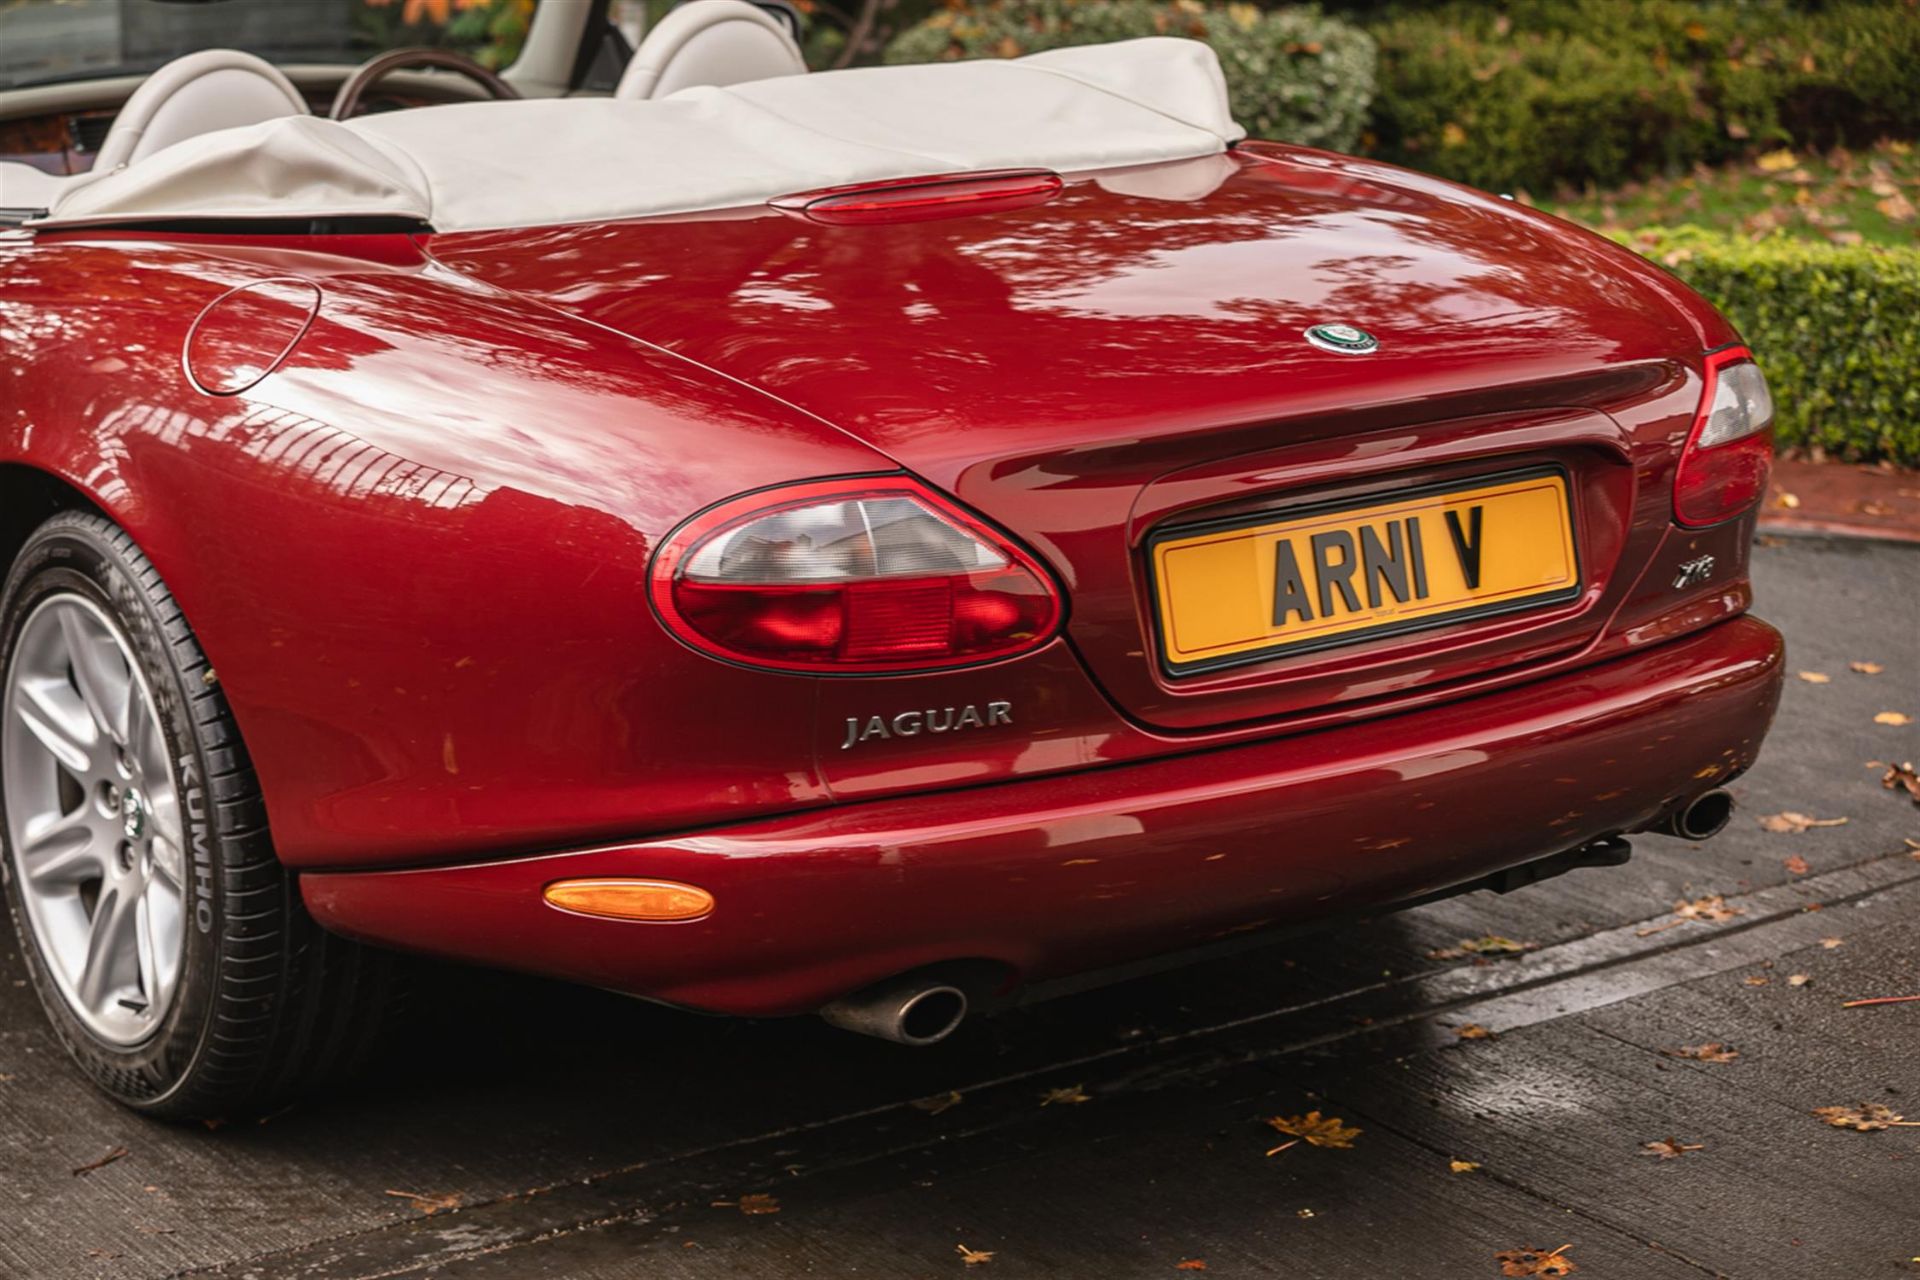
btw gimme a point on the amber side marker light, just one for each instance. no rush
(630, 899)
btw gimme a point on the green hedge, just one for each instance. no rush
(1294, 75)
(1540, 94)
(1833, 328)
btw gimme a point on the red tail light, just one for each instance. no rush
(845, 576)
(1724, 467)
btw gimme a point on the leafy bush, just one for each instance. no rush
(1543, 93)
(1832, 327)
(1294, 75)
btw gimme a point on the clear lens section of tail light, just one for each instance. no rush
(851, 576)
(1729, 453)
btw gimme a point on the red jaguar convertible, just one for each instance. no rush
(881, 543)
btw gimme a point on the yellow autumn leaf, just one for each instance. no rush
(1319, 1130)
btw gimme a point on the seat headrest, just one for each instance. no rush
(195, 94)
(710, 42)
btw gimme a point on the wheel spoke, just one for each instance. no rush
(169, 864)
(148, 971)
(99, 673)
(109, 942)
(146, 749)
(59, 723)
(61, 850)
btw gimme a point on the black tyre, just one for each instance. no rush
(165, 940)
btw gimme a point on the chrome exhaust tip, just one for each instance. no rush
(1702, 817)
(904, 1010)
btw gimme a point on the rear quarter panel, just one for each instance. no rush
(416, 554)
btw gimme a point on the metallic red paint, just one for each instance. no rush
(417, 549)
(1097, 868)
(1113, 360)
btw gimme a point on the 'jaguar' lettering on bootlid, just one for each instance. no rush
(911, 724)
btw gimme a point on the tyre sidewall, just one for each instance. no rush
(77, 555)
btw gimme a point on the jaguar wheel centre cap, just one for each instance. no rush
(133, 814)
(1342, 339)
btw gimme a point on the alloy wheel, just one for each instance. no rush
(93, 818)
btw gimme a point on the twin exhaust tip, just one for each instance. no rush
(916, 1011)
(1700, 818)
(905, 1010)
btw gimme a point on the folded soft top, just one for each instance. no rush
(492, 165)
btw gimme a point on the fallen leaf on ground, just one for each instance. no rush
(1797, 822)
(1670, 1148)
(1756, 979)
(974, 1257)
(1536, 1262)
(1815, 677)
(1799, 979)
(939, 1102)
(1462, 1166)
(1831, 943)
(1472, 1031)
(1490, 945)
(118, 1153)
(1788, 500)
(1303, 1213)
(1777, 161)
(1865, 1117)
(1713, 909)
(1866, 668)
(1861, 1004)
(759, 1202)
(1191, 1264)
(1796, 864)
(1901, 777)
(1069, 1095)
(1893, 718)
(1314, 1128)
(428, 1203)
(1712, 1051)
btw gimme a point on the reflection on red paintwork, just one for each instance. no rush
(417, 551)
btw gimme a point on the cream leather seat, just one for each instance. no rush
(196, 94)
(716, 42)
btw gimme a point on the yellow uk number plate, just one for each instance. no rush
(1245, 591)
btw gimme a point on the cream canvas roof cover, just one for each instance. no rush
(533, 163)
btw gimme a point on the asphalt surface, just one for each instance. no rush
(534, 1130)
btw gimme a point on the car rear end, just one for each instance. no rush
(1246, 542)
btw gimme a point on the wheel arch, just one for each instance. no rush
(30, 495)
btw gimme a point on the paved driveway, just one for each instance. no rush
(558, 1132)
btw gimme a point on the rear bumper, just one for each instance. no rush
(1069, 873)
